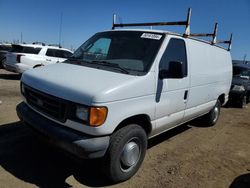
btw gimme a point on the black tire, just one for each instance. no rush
(130, 140)
(243, 102)
(1, 62)
(248, 97)
(212, 117)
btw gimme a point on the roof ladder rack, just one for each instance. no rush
(185, 23)
(178, 23)
(213, 35)
(229, 42)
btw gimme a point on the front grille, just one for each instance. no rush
(47, 104)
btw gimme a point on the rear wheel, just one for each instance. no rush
(212, 117)
(126, 153)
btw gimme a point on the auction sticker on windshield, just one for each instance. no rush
(151, 36)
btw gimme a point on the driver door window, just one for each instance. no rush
(175, 51)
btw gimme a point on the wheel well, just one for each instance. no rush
(143, 120)
(222, 98)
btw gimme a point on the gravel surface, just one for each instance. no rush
(187, 156)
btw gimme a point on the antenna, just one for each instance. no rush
(21, 37)
(60, 29)
(244, 59)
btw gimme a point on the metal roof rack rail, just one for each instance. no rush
(229, 42)
(41, 43)
(184, 23)
(213, 35)
(178, 23)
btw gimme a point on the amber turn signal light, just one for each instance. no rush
(97, 116)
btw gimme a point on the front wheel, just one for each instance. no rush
(126, 152)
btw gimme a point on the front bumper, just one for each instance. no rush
(17, 67)
(10, 68)
(75, 142)
(236, 95)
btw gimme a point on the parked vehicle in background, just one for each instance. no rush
(240, 89)
(241, 62)
(26, 56)
(4, 48)
(121, 88)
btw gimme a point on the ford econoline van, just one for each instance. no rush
(123, 87)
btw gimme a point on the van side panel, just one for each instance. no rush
(210, 76)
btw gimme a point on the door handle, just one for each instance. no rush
(186, 95)
(48, 59)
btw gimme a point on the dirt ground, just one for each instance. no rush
(188, 156)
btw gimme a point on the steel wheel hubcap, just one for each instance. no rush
(130, 155)
(216, 113)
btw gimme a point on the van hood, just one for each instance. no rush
(86, 85)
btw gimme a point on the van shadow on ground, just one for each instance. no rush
(28, 158)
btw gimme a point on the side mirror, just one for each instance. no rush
(175, 70)
(163, 74)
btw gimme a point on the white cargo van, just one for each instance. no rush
(122, 87)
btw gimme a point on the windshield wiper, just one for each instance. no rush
(108, 64)
(76, 60)
(72, 58)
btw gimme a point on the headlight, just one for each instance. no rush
(82, 113)
(238, 88)
(94, 116)
(22, 88)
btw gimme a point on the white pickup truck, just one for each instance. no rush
(122, 87)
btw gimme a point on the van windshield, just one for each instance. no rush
(130, 52)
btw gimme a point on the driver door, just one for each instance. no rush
(172, 93)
